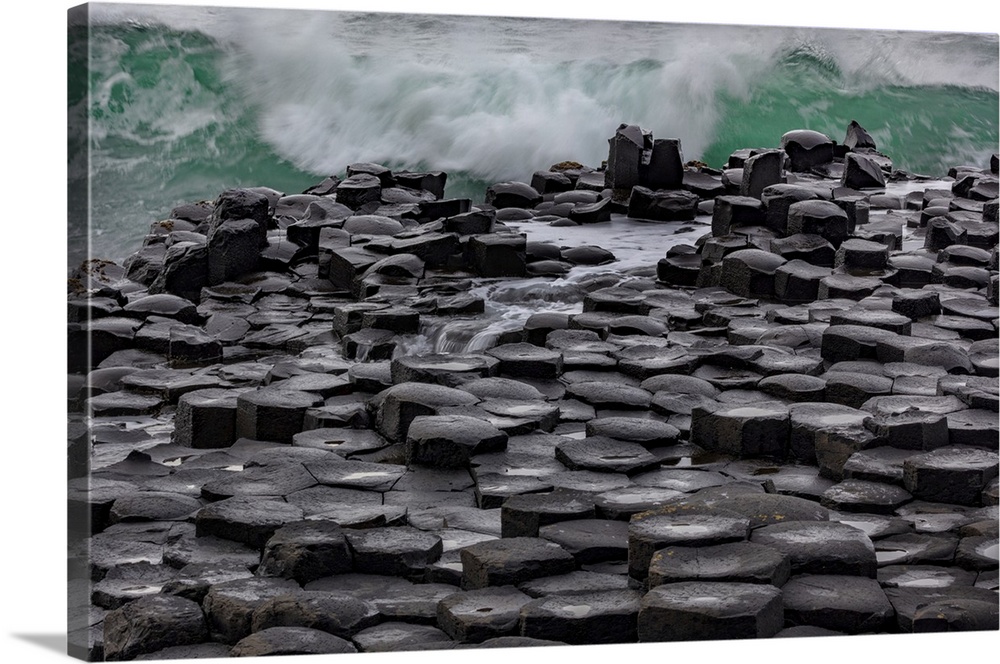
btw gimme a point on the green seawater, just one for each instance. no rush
(177, 112)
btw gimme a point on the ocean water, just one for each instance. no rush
(185, 102)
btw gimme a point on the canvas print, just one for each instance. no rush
(407, 332)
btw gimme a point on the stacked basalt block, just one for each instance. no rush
(789, 429)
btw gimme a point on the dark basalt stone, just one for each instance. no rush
(916, 549)
(626, 150)
(703, 610)
(750, 272)
(522, 515)
(861, 172)
(703, 184)
(432, 181)
(498, 255)
(477, 615)
(512, 194)
(807, 149)
(760, 429)
(277, 641)
(574, 583)
(248, 520)
(602, 394)
(151, 623)
(233, 250)
(471, 223)
(355, 474)
(396, 551)
(909, 602)
(588, 255)
(450, 441)
(164, 304)
(399, 636)
(153, 506)
(955, 475)
(732, 212)
(589, 540)
(857, 137)
(812, 249)
(605, 455)
(130, 581)
(185, 271)
(359, 190)
(236, 204)
(956, 615)
(818, 218)
(646, 432)
(550, 182)
(820, 547)
(663, 205)
(665, 169)
(339, 614)
(510, 561)
(777, 200)
(273, 413)
(842, 603)
(305, 551)
(608, 616)
(760, 171)
(525, 360)
(736, 562)
(651, 531)
(592, 213)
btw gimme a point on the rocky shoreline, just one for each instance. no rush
(786, 428)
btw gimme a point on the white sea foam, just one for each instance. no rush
(491, 96)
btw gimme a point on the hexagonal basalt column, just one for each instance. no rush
(750, 272)
(527, 360)
(699, 610)
(206, 418)
(753, 430)
(658, 529)
(608, 616)
(273, 414)
(821, 547)
(512, 560)
(955, 475)
(449, 441)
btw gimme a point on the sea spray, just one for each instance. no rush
(186, 102)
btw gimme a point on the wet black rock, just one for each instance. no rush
(474, 616)
(248, 520)
(818, 218)
(956, 475)
(305, 551)
(339, 614)
(750, 272)
(704, 610)
(449, 441)
(807, 149)
(861, 172)
(760, 171)
(821, 547)
(842, 603)
(498, 255)
(513, 560)
(277, 641)
(736, 562)
(662, 205)
(607, 616)
(732, 212)
(151, 623)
